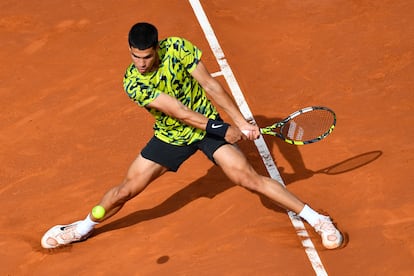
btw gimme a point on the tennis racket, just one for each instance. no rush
(305, 126)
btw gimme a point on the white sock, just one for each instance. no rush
(86, 226)
(310, 215)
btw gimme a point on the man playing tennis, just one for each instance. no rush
(169, 79)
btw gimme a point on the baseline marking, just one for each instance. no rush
(260, 143)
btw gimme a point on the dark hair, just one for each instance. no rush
(143, 36)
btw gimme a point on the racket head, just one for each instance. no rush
(305, 126)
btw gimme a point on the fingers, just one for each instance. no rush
(234, 135)
(251, 134)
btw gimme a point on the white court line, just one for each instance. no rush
(216, 74)
(260, 143)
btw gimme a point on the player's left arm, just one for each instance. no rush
(216, 91)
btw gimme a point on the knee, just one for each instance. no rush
(122, 195)
(244, 176)
(250, 181)
(252, 184)
(125, 191)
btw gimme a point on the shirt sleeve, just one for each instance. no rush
(189, 54)
(138, 91)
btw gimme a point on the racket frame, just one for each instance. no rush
(270, 130)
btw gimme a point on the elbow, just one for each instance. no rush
(210, 85)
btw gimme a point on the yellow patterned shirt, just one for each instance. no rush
(178, 58)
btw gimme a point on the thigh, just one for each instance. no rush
(210, 144)
(145, 169)
(141, 173)
(235, 165)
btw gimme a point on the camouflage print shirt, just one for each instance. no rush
(178, 58)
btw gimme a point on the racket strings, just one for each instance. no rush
(309, 125)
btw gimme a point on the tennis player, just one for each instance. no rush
(169, 79)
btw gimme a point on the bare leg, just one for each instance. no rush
(141, 173)
(237, 168)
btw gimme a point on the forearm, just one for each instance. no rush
(216, 92)
(190, 117)
(225, 102)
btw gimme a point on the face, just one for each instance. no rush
(144, 60)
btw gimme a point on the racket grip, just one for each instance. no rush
(245, 132)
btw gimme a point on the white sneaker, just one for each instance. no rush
(331, 237)
(61, 235)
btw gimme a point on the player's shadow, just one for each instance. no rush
(210, 185)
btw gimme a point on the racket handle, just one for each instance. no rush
(245, 132)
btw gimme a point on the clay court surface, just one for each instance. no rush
(68, 133)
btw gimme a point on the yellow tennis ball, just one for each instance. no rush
(98, 212)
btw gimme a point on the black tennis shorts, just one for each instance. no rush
(172, 156)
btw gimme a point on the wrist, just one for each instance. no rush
(218, 128)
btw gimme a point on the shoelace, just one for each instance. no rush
(69, 232)
(325, 225)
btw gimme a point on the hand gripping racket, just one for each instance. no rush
(305, 126)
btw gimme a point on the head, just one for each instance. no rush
(143, 45)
